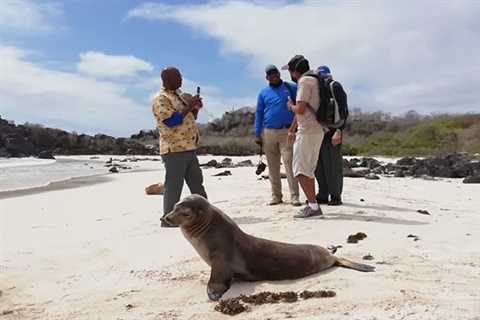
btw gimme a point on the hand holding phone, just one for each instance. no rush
(197, 100)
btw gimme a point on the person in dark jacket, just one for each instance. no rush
(329, 171)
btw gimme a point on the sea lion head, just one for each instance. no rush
(188, 211)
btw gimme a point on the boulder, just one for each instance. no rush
(350, 173)
(155, 189)
(399, 173)
(372, 176)
(45, 155)
(472, 179)
(407, 161)
(227, 161)
(245, 163)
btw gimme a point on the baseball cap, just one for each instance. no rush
(293, 62)
(323, 71)
(271, 68)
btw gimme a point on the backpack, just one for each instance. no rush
(324, 111)
(329, 112)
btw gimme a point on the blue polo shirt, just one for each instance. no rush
(272, 110)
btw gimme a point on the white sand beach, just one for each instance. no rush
(97, 251)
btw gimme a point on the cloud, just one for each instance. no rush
(71, 101)
(99, 64)
(28, 16)
(391, 56)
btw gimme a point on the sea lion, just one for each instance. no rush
(233, 254)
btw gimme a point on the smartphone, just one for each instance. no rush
(198, 91)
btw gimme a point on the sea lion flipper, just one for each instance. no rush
(354, 265)
(220, 279)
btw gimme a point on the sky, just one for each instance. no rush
(93, 66)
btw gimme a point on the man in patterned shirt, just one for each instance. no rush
(176, 113)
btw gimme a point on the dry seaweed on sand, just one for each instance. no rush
(317, 294)
(354, 238)
(231, 306)
(237, 305)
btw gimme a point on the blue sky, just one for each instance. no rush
(92, 66)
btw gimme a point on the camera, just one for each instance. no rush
(260, 168)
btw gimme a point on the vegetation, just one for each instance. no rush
(430, 135)
(367, 133)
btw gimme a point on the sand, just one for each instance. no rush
(97, 251)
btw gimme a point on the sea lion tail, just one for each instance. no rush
(342, 262)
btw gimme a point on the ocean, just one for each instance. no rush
(25, 173)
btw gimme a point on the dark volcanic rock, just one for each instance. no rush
(350, 173)
(370, 163)
(456, 165)
(223, 173)
(472, 179)
(45, 155)
(227, 162)
(30, 140)
(245, 163)
(354, 238)
(372, 176)
(211, 163)
(407, 161)
(399, 173)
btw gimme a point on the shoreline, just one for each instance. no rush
(70, 183)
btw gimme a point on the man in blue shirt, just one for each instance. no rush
(272, 121)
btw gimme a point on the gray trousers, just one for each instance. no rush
(180, 167)
(329, 171)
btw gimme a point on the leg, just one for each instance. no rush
(175, 168)
(320, 174)
(194, 176)
(220, 279)
(272, 151)
(308, 187)
(287, 158)
(334, 173)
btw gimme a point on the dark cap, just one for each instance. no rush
(293, 62)
(271, 68)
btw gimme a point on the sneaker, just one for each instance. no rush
(308, 212)
(275, 202)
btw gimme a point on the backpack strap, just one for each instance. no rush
(341, 121)
(290, 89)
(331, 90)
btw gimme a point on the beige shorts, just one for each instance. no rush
(305, 153)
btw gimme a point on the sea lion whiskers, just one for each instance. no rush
(200, 225)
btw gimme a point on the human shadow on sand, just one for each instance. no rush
(367, 218)
(244, 287)
(380, 207)
(249, 220)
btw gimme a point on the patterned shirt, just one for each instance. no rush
(183, 137)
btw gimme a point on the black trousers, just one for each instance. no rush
(329, 171)
(180, 167)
